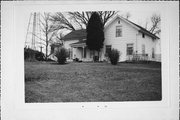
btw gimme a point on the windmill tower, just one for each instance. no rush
(33, 32)
(33, 36)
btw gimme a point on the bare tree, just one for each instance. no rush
(61, 22)
(58, 37)
(155, 20)
(106, 15)
(48, 30)
(77, 20)
(83, 17)
(58, 41)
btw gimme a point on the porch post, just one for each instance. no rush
(83, 52)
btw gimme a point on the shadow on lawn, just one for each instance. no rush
(55, 63)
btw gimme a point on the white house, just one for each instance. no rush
(133, 42)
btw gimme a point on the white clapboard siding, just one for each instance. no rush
(67, 43)
(120, 43)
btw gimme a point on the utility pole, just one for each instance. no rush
(41, 48)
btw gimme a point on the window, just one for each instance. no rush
(153, 56)
(108, 49)
(143, 35)
(118, 31)
(129, 49)
(143, 49)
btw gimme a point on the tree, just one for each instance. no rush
(83, 17)
(152, 24)
(155, 20)
(58, 41)
(48, 31)
(61, 22)
(77, 20)
(95, 33)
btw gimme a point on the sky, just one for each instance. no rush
(140, 17)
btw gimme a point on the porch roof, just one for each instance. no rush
(75, 35)
(79, 44)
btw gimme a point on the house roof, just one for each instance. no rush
(81, 34)
(75, 35)
(139, 28)
(143, 30)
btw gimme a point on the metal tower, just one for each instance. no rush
(33, 36)
(34, 32)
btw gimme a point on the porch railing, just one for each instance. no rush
(144, 57)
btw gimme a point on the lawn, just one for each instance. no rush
(91, 82)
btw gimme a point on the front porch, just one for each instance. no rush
(80, 51)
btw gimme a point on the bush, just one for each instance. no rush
(114, 56)
(39, 56)
(32, 55)
(96, 58)
(61, 55)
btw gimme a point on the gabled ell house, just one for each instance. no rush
(133, 41)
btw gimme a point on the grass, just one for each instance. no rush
(91, 82)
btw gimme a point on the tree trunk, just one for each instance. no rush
(98, 56)
(46, 52)
(46, 47)
(93, 56)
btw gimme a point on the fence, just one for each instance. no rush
(144, 57)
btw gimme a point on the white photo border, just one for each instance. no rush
(13, 96)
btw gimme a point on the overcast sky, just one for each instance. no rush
(138, 17)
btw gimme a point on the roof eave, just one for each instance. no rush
(78, 45)
(150, 35)
(118, 16)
